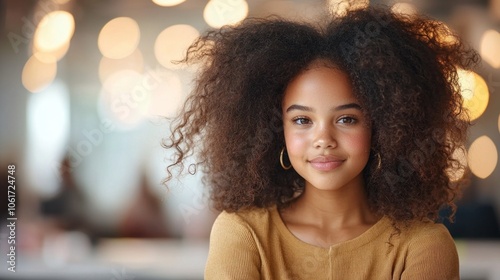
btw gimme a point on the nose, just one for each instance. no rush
(324, 138)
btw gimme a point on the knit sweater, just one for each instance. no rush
(257, 245)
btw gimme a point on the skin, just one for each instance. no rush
(328, 143)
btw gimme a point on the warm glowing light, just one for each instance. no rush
(37, 75)
(341, 7)
(225, 12)
(54, 31)
(404, 8)
(167, 95)
(457, 172)
(445, 35)
(124, 98)
(50, 56)
(108, 66)
(172, 43)
(490, 42)
(483, 157)
(119, 38)
(475, 93)
(168, 3)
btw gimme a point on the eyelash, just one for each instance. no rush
(351, 120)
(347, 120)
(297, 119)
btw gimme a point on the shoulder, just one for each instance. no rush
(234, 245)
(430, 252)
(242, 225)
(426, 231)
(427, 235)
(254, 226)
(246, 218)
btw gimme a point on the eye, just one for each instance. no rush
(301, 120)
(347, 120)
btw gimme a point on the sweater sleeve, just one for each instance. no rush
(432, 255)
(233, 253)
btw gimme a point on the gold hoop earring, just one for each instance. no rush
(281, 160)
(379, 160)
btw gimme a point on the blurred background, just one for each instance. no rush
(85, 89)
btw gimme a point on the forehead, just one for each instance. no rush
(320, 83)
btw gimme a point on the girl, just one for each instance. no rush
(327, 148)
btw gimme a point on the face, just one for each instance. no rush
(327, 137)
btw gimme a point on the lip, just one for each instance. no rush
(326, 163)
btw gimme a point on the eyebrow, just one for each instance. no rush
(335, 109)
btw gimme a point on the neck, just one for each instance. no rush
(345, 207)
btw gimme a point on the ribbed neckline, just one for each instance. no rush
(370, 234)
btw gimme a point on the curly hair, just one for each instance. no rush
(402, 71)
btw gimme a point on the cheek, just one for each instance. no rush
(295, 143)
(361, 142)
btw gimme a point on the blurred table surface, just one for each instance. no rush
(479, 259)
(119, 259)
(136, 259)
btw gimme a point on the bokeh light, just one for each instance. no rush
(474, 92)
(50, 56)
(47, 131)
(167, 95)
(119, 38)
(341, 7)
(108, 66)
(457, 172)
(54, 31)
(37, 75)
(404, 8)
(225, 12)
(124, 98)
(489, 49)
(172, 43)
(61, 2)
(168, 3)
(445, 35)
(483, 157)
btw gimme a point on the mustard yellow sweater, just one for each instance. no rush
(257, 245)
